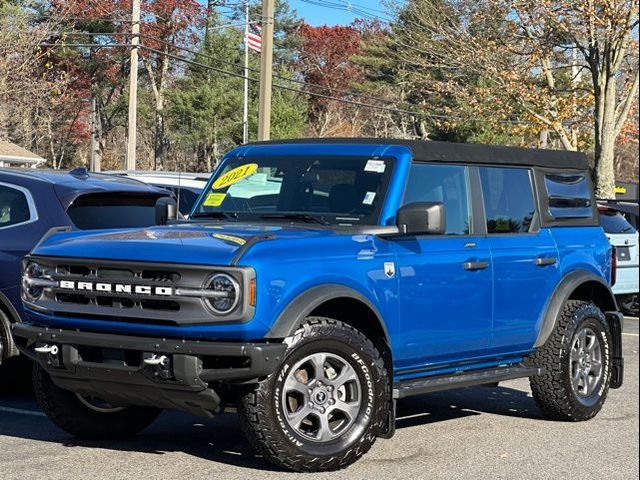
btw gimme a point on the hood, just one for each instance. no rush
(186, 244)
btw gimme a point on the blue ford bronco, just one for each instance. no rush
(319, 281)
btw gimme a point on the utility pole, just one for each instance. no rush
(245, 113)
(133, 86)
(94, 164)
(266, 71)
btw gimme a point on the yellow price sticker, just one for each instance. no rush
(621, 190)
(235, 175)
(214, 199)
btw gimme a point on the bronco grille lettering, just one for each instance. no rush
(116, 287)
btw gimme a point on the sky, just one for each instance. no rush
(320, 15)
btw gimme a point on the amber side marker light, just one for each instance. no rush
(252, 292)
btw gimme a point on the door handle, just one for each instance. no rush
(475, 265)
(545, 261)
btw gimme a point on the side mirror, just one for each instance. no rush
(423, 218)
(166, 210)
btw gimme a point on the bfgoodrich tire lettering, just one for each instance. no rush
(265, 418)
(557, 393)
(65, 409)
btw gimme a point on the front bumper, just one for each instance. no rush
(120, 369)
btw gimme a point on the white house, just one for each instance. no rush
(14, 155)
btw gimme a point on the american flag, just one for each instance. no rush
(253, 37)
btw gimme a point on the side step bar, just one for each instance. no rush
(420, 386)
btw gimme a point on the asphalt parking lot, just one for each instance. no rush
(479, 433)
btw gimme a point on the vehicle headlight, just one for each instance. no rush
(225, 293)
(32, 281)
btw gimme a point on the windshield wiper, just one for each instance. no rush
(216, 215)
(303, 217)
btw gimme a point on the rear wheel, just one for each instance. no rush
(325, 405)
(88, 417)
(577, 360)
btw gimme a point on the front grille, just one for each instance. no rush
(167, 308)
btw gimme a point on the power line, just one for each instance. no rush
(327, 97)
(371, 106)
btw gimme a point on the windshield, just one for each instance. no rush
(327, 190)
(614, 222)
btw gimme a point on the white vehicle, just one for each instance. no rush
(187, 187)
(624, 237)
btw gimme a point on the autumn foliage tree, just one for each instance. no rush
(325, 63)
(550, 63)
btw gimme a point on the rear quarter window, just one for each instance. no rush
(569, 195)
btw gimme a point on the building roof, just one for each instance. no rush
(12, 153)
(429, 151)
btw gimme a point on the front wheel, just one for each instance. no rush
(325, 405)
(577, 363)
(88, 418)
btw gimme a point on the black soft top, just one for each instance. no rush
(428, 151)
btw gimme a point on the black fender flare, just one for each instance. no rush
(563, 292)
(10, 316)
(295, 313)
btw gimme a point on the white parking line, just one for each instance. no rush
(22, 412)
(631, 334)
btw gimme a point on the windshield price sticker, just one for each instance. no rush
(376, 166)
(369, 198)
(235, 175)
(214, 199)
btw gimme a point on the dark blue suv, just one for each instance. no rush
(34, 201)
(318, 282)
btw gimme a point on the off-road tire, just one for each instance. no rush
(67, 412)
(262, 416)
(553, 391)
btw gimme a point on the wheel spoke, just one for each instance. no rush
(346, 375)
(324, 432)
(350, 409)
(575, 355)
(292, 383)
(596, 368)
(582, 339)
(297, 417)
(575, 371)
(585, 383)
(318, 361)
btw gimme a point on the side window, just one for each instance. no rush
(448, 184)
(14, 207)
(508, 199)
(569, 195)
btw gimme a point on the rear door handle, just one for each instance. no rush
(545, 261)
(475, 265)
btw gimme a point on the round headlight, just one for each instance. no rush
(32, 290)
(225, 293)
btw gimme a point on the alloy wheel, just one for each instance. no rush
(322, 397)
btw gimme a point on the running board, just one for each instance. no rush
(420, 386)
